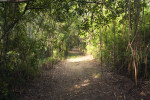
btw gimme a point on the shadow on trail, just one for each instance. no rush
(78, 78)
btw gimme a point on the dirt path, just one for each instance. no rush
(79, 78)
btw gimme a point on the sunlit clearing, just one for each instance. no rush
(96, 75)
(79, 59)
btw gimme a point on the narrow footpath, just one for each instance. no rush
(79, 77)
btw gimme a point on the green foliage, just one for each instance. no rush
(38, 33)
(36, 38)
(105, 30)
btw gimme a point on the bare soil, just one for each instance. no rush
(80, 77)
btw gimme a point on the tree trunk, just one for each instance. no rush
(136, 22)
(145, 54)
(114, 46)
(101, 58)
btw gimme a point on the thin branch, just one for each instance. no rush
(14, 1)
(38, 8)
(16, 21)
(89, 2)
(32, 8)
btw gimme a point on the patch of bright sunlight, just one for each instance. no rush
(77, 86)
(96, 75)
(82, 58)
(85, 83)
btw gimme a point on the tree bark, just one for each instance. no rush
(114, 31)
(11, 26)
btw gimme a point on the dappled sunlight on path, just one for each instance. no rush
(82, 58)
(78, 77)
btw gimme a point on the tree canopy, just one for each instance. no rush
(37, 33)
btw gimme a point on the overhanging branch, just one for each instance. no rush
(15, 22)
(89, 2)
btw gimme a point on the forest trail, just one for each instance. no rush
(79, 77)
